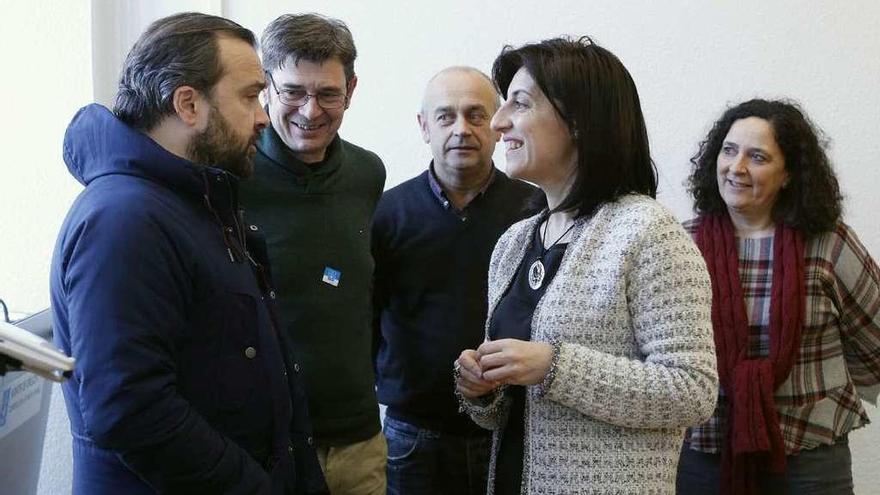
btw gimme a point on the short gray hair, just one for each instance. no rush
(312, 37)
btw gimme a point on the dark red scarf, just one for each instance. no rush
(753, 441)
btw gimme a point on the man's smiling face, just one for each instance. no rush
(308, 129)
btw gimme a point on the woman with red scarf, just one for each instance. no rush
(795, 310)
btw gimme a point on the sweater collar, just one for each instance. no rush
(271, 145)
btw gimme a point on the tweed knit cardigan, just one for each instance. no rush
(629, 315)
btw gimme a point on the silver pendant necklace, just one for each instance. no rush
(537, 270)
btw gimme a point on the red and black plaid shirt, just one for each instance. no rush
(839, 361)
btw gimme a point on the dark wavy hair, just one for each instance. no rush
(597, 99)
(178, 50)
(811, 202)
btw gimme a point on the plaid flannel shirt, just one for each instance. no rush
(839, 361)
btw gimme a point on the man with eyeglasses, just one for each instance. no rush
(312, 197)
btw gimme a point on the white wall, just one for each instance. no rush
(689, 59)
(46, 78)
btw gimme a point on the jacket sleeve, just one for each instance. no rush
(127, 292)
(675, 384)
(856, 292)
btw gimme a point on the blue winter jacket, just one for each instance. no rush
(180, 384)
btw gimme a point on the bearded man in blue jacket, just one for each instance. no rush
(180, 384)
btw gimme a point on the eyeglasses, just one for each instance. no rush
(299, 97)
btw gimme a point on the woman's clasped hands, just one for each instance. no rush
(504, 361)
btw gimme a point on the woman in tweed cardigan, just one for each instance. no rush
(615, 355)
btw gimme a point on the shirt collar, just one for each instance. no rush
(440, 194)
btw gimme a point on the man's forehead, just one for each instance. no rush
(473, 94)
(457, 101)
(302, 71)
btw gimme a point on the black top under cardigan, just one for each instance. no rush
(512, 319)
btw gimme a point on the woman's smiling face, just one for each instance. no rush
(751, 168)
(538, 144)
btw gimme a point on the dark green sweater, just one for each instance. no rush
(316, 220)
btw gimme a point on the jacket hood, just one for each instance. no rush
(97, 143)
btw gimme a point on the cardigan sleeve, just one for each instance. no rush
(485, 410)
(856, 289)
(674, 383)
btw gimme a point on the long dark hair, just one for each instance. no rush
(596, 97)
(811, 202)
